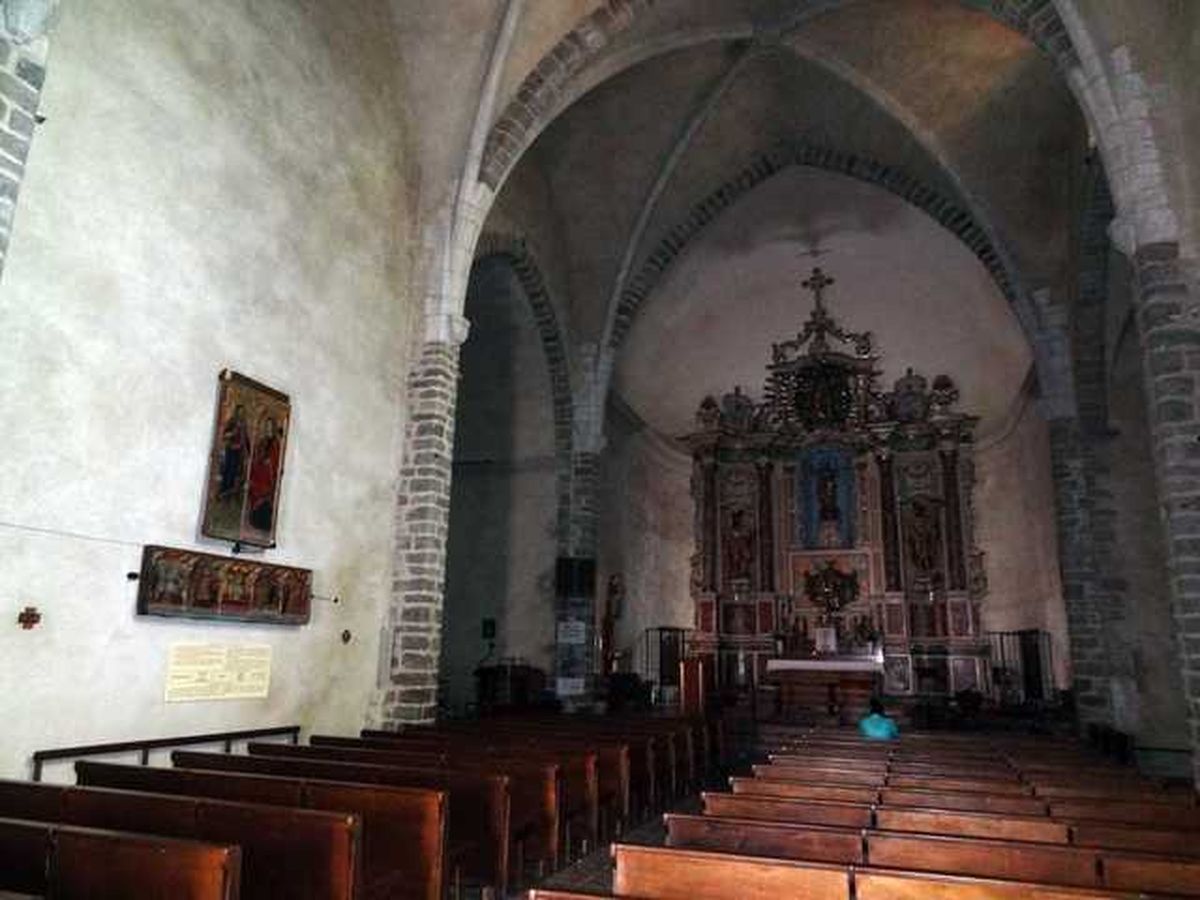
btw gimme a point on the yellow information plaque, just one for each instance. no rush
(218, 672)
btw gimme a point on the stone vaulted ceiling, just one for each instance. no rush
(931, 100)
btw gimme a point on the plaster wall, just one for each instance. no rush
(191, 204)
(645, 532)
(1014, 525)
(503, 505)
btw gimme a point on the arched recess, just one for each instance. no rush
(508, 520)
(770, 163)
(517, 253)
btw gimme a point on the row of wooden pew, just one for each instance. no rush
(830, 815)
(428, 813)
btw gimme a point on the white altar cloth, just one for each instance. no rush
(824, 665)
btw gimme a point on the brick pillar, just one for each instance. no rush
(575, 603)
(22, 72)
(422, 525)
(1169, 320)
(1070, 466)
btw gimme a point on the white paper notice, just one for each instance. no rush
(218, 672)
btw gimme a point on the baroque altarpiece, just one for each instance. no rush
(834, 518)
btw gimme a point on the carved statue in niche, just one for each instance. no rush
(739, 547)
(737, 410)
(708, 416)
(923, 539)
(910, 399)
(828, 514)
(826, 492)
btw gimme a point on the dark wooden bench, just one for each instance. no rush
(641, 763)
(812, 843)
(977, 785)
(299, 853)
(811, 812)
(404, 830)
(1033, 829)
(1161, 815)
(579, 815)
(616, 756)
(964, 800)
(815, 775)
(1135, 837)
(665, 873)
(878, 885)
(68, 862)
(490, 825)
(802, 790)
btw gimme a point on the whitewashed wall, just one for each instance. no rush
(217, 184)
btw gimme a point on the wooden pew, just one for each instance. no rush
(614, 756)
(594, 768)
(1162, 875)
(303, 854)
(1010, 860)
(797, 790)
(641, 753)
(879, 885)
(817, 775)
(978, 785)
(810, 812)
(404, 829)
(664, 873)
(579, 816)
(494, 825)
(63, 861)
(964, 800)
(1034, 829)
(749, 837)
(1135, 837)
(1161, 815)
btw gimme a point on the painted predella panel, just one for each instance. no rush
(177, 582)
(241, 502)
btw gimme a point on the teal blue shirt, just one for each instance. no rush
(878, 728)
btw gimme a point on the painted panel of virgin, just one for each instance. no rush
(245, 471)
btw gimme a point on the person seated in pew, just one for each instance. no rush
(878, 726)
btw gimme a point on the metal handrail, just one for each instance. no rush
(40, 757)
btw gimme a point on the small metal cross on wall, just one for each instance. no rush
(29, 617)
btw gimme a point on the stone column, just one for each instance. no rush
(1169, 320)
(1071, 468)
(422, 525)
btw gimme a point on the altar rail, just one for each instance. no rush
(41, 757)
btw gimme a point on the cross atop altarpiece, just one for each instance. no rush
(817, 282)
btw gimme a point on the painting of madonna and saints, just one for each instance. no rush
(241, 503)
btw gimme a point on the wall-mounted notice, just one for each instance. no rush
(218, 672)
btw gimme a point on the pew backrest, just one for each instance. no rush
(810, 812)
(665, 873)
(43, 858)
(394, 819)
(750, 837)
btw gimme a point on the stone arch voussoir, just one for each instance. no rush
(943, 210)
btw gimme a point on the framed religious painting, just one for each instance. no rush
(176, 582)
(245, 468)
